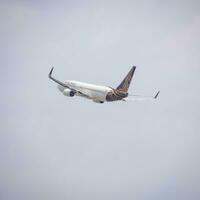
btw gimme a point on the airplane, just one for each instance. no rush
(98, 93)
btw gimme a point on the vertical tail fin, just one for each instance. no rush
(124, 85)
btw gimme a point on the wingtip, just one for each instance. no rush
(157, 95)
(50, 72)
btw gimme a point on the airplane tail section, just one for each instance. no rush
(124, 85)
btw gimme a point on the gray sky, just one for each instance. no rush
(54, 147)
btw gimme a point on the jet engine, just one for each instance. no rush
(68, 92)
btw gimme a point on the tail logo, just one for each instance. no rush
(126, 82)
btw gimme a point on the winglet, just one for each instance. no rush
(156, 95)
(50, 72)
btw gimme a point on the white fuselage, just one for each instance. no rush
(95, 92)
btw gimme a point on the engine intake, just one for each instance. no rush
(68, 92)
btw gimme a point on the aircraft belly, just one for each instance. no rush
(97, 95)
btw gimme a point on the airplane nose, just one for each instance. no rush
(60, 87)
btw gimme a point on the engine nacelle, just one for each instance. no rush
(68, 92)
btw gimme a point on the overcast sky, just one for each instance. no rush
(55, 147)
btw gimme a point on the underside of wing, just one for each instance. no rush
(138, 99)
(83, 95)
(141, 97)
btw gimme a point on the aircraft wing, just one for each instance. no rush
(66, 86)
(57, 81)
(141, 97)
(83, 95)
